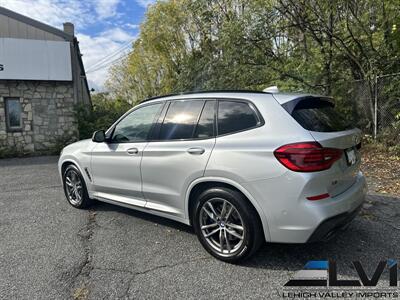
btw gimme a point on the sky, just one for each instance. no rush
(105, 28)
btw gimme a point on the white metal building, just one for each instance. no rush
(42, 79)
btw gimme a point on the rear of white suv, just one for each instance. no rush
(241, 167)
(322, 188)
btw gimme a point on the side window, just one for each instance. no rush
(235, 116)
(136, 126)
(205, 127)
(181, 119)
(13, 114)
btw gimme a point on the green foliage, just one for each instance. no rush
(104, 113)
(7, 152)
(299, 45)
(318, 46)
(390, 136)
(60, 142)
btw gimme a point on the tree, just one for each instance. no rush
(104, 113)
(299, 45)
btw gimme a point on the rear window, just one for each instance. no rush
(234, 116)
(319, 115)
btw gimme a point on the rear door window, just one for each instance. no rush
(235, 116)
(319, 115)
(205, 127)
(181, 119)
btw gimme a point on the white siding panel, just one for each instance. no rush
(22, 30)
(31, 32)
(39, 34)
(27, 59)
(4, 26)
(13, 27)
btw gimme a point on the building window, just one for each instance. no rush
(13, 114)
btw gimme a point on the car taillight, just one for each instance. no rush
(307, 156)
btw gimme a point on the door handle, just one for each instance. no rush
(132, 151)
(196, 151)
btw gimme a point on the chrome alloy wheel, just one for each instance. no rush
(74, 187)
(222, 226)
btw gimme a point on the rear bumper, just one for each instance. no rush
(328, 228)
(291, 218)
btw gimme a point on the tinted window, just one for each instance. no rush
(136, 125)
(180, 120)
(205, 127)
(13, 109)
(319, 115)
(235, 116)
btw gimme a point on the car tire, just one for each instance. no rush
(75, 188)
(237, 224)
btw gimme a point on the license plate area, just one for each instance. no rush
(351, 156)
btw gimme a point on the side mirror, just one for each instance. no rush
(99, 136)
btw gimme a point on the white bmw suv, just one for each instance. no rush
(240, 167)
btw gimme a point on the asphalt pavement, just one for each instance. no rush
(49, 250)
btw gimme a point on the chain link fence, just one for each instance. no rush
(375, 105)
(387, 104)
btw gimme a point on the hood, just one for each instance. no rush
(79, 145)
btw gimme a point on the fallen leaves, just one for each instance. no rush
(382, 170)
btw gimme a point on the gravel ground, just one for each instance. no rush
(49, 250)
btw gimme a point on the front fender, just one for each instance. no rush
(71, 159)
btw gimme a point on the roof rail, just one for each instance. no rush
(206, 92)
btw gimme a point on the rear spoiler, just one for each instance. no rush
(291, 105)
